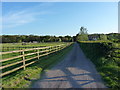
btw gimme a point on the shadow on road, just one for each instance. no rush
(75, 71)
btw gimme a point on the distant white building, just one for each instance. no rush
(35, 41)
(93, 37)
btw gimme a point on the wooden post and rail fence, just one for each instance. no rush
(4, 48)
(36, 52)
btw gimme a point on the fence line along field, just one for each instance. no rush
(19, 46)
(18, 59)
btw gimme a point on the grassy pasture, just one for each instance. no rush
(32, 72)
(18, 46)
(20, 59)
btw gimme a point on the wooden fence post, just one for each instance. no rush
(48, 50)
(58, 48)
(51, 49)
(55, 48)
(23, 53)
(38, 53)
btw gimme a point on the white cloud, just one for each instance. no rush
(19, 18)
(13, 19)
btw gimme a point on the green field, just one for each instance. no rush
(32, 72)
(19, 46)
(106, 57)
(20, 59)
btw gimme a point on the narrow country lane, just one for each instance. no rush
(75, 71)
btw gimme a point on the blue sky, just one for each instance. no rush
(59, 18)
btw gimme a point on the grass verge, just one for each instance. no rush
(24, 78)
(106, 60)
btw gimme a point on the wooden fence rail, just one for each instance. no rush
(37, 52)
(5, 49)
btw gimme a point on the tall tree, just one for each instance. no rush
(82, 35)
(103, 37)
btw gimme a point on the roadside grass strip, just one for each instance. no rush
(106, 57)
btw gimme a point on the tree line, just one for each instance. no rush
(81, 36)
(34, 38)
(84, 36)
